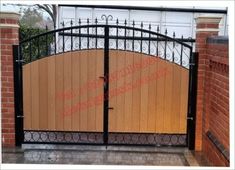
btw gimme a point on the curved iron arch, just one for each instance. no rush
(31, 49)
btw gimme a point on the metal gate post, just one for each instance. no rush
(18, 95)
(192, 94)
(106, 84)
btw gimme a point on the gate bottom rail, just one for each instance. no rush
(148, 139)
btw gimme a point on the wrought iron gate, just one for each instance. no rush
(110, 43)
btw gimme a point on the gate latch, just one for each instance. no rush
(189, 118)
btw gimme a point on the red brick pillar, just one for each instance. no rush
(9, 29)
(206, 27)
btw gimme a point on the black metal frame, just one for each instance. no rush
(18, 95)
(192, 93)
(164, 47)
(217, 11)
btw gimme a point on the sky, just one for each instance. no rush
(15, 8)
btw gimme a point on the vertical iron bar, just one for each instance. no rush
(141, 39)
(117, 35)
(133, 36)
(71, 23)
(30, 50)
(38, 45)
(192, 100)
(149, 47)
(63, 36)
(106, 84)
(173, 52)
(125, 35)
(181, 52)
(165, 45)
(46, 41)
(55, 42)
(79, 31)
(157, 38)
(96, 21)
(18, 95)
(88, 34)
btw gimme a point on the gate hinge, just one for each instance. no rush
(192, 64)
(20, 61)
(20, 116)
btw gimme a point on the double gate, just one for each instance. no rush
(105, 84)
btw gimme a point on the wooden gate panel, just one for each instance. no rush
(158, 103)
(57, 96)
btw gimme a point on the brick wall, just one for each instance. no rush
(8, 37)
(212, 119)
(215, 139)
(206, 27)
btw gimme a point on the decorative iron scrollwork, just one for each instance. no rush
(121, 37)
(107, 18)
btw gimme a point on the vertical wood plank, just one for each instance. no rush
(27, 97)
(144, 96)
(75, 60)
(160, 98)
(51, 93)
(91, 110)
(43, 123)
(99, 90)
(151, 126)
(168, 96)
(136, 97)
(35, 94)
(128, 119)
(112, 90)
(120, 94)
(176, 93)
(59, 74)
(184, 100)
(83, 82)
(67, 78)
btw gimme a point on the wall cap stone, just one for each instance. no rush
(9, 15)
(207, 30)
(208, 19)
(9, 26)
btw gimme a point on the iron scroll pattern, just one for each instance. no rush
(122, 36)
(148, 139)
